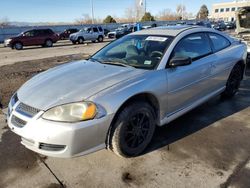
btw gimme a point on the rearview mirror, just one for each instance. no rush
(180, 61)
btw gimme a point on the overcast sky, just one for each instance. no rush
(69, 10)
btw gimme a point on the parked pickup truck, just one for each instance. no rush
(243, 27)
(88, 34)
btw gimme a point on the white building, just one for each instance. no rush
(226, 11)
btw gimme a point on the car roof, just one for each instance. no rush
(166, 30)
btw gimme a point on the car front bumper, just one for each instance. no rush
(7, 43)
(56, 139)
(73, 39)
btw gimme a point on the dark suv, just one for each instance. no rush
(66, 33)
(44, 37)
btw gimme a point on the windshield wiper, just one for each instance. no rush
(111, 62)
(97, 60)
(116, 63)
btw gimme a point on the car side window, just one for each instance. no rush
(95, 30)
(89, 30)
(29, 33)
(194, 46)
(38, 33)
(100, 29)
(219, 42)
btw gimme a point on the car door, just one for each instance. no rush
(223, 61)
(95, 33)
(39, 37)
(187, 84)
(28, 38)
(88, 34)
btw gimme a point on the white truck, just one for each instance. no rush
(93, 33)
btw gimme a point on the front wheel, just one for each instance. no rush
(233, 82)
(18, 46)
(133, 130)
(80, 40)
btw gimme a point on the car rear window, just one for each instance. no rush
(100, 29)
(219, 42)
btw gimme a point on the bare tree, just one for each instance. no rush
(181, 11)
(130, 15)
(4, 22)
(86, 19)
(133, 13)
(167, 15)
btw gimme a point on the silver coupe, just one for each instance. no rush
(115, 99)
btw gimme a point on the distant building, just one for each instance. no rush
(226, 11)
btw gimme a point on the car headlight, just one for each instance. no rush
(74, 112)
(13, 100)
(8, 40)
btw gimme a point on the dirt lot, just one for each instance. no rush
(61, 48)
(208, 147)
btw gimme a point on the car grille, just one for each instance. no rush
(51, 147)
(18, 122)
(27, 110)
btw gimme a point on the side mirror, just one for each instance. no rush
(180, 61)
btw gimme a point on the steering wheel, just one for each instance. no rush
(156, 54)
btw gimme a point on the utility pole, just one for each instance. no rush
(92, 11)
(182, 10)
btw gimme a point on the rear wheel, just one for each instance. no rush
(48, 43)
(100, 39)
(133, 130)
(233, 82)
(18, 46)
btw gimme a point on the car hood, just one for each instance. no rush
(72, 82)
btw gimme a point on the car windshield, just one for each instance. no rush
(84, 29)
(139, 51)
(20, 34)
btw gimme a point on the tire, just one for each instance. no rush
(233, 82)
(93, 41)
(73, 42)
(48, 43)
(133, 130)
(18, 46)
(100, 39)
(80, 40)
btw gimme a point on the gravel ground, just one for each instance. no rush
(62, 48)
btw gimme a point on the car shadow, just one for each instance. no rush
(201, 117)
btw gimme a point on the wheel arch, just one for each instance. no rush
(146, 97)
(80, 37)
(48, 39)
(18, 41)
(243, 67)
